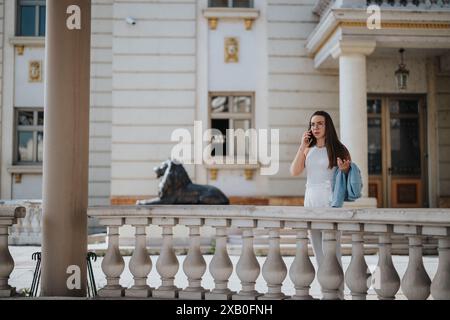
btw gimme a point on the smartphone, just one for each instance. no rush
(311, 137)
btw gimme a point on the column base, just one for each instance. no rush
(246, 296)
(273, 296)
(192, 295)
(332, 295)
(8, 292)
(306, 297)
(166, 293)
(114, 292)
(359, 297)
(385, 298)
(219, 295)
(139, 292)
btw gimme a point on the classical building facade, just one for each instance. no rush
(157, 66)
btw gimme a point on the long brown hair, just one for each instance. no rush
(335, 148)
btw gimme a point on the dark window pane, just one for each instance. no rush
(42, 21)
(404, 106)
(405, 147)
(25, 118)
(374, 139)
(374, 106)
(40, 118)
(218, 3)
(27, 21)
(25, 150)
(222, 125)
(242, 3)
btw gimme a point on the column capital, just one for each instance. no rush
(365, 47)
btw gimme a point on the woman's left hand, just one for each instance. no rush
(344, 166)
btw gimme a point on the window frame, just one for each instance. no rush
(232, 115)
(230, 4)
(37, 4)
(35, 129)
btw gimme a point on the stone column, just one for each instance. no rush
(220, 266)
(274, 269)
(440, 286)
(167, 264)
(194, 265)
(140, 263)
(385, 278)
(415, 283)
(353, 101)
(66, 146)
(247, 268)
(302, 272)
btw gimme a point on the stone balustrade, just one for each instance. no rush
(8, 217)
(421, 4)
(27, 230)
(414, 224)
(323, 6)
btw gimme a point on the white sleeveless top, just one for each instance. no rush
(316, 165)
(318, 178)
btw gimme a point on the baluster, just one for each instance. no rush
(6, 262)
(194, 266)
(440, 287)
(357, 276)
(274, 269)
(302, 272)
(415, 282)
(330, 273)
(140, 263)
(167, 264)
(385, 279)
(220, 266)
(113, 263)
(247, 268)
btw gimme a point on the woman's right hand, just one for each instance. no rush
(305, 140)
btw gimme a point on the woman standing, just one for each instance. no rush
(319, 153)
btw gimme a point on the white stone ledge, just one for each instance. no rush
(10, 212)
(27, 41)
(24, 169)
(290, 214)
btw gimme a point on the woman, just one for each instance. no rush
(319, 153)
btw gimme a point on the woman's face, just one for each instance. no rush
(318, 126)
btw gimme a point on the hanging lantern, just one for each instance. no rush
(402, 73)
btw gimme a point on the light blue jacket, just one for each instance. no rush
(346, 187)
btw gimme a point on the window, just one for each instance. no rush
(231, 3)
(230, 111)
(29, 136)
(31, 18)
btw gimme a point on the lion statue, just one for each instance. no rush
(176, 187)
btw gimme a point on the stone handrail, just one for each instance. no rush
(27, 231)
(8, 217)
(412, 223)
(322, 6)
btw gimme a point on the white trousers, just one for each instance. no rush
(319, 196)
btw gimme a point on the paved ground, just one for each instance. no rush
(22, 275)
